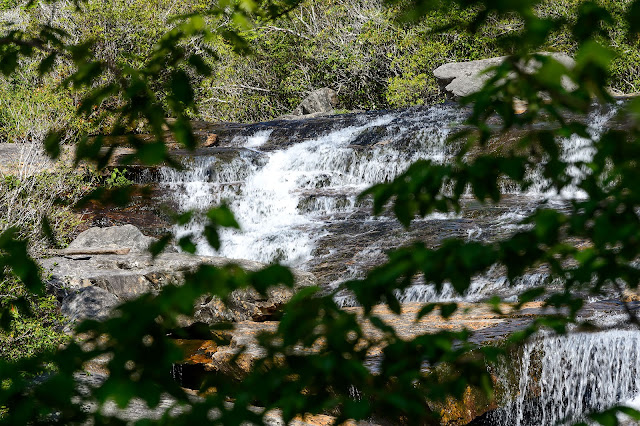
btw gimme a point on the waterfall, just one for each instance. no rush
(561, 378)
(575, 150)
(282, 198)
(296, 198)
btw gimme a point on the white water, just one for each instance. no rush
(576, 151)
(561, 378)
(282, 198)
(285, 199)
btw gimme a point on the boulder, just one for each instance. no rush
(321, 101)
(125, 276)
(459, 79)
(88, 303)
(114, 237)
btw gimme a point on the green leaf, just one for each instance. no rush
(426, 310)
(184, 133)
(448, 309)
(47, 63)
(157, 247)
(52, 144)
(633, 18)
(222, 216)
(181, 87)
(186, 244)
(200, 65)
(47, 230)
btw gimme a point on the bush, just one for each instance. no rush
(29, 335)
(26, 199)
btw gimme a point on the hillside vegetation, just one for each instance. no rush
(358, 48)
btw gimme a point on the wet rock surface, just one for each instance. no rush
(302, 178)
(486, 325)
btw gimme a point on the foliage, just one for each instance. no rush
(358, 48)
(28, 197)
(316, 360)
(117, 179)
(30, 334)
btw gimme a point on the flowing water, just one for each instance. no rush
(559, 378)
(296, 200)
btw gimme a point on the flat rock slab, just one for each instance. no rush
(486, 326)
(128, 276)
(88, 302)
(114, 237)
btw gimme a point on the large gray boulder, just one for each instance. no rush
(321, 101)
(126, 276)
(459, 79)
(114, 237)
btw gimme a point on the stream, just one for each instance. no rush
(295, 193)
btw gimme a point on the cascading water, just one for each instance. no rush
(297, 201)
(561, 378)
(575, 150)
(282, 198)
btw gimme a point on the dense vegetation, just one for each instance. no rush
(317, 357)
(358, 48)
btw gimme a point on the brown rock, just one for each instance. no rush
(211, 140)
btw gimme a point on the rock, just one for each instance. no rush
(464, 78)
(244, 305)
(127, 276)
(487, 326)
(88, 303)
(210, 141)
(114, 237)
(321, 101)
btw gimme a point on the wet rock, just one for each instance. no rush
(211, 140)
(320, 101)
(486, 325)
(372, 136)
(459, 79)
(244, 305)
(235, 359)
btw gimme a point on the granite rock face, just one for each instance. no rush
(88, 303)
(83, 281)
(459, 79)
